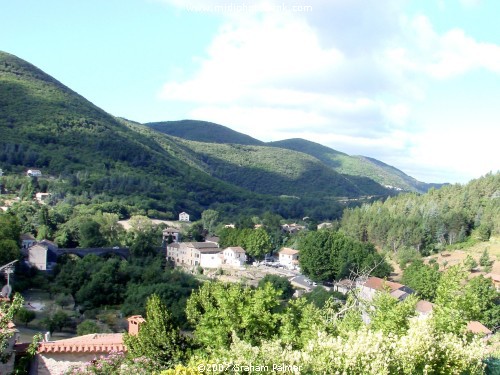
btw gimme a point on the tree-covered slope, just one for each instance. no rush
(203, 131)
(45, 125)
(430, 221)
(360, 166)
(277, 171)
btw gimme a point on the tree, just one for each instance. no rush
(209, 220)
(9, 251)
(218, 310)
(86, 327)
(25, 316)
(258, 243)
(90, 234)
(390, 315)
(485, 260)
(470, 263)
(422, 278)
(330, 255)
(279, 283)
(7, 313)
(158, 338)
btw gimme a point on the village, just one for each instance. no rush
(231, 264)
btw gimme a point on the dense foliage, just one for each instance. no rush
(330, 255)
(203, 131)
(359, 169)
(430, 221)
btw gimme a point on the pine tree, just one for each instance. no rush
(485, 261)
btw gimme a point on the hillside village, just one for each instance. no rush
(230, 264)
(185, 247)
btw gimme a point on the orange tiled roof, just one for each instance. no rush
(476, 327)
(92, 343)
(379, 284)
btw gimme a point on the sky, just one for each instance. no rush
(415, 84)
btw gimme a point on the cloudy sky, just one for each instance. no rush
(415, 84)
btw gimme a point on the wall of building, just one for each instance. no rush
(58, 363)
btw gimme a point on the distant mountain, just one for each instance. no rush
(269, 170)
(203, 131)
(359, 166)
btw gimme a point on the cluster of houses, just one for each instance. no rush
(368, 287)
(204, 254)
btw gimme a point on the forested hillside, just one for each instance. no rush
(430, 221)
(85, 152)
(356, 166)
(278, 171)
(203, 131)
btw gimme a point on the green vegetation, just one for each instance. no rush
(279, 283)
(431, 221)
(203, 131)
(159, 339)
(327, 255)
(359, 169)
(270, 170)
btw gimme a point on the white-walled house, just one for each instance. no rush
(183, 216)
(234, 256)
(289, 257)
(43, 255)
(34, 173)
(193, 254)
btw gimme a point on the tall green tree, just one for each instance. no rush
(422, 278)
(258, 243)
(209, 220)
(217, 311)
(158, 339)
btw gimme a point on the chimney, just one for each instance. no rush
(134, 322)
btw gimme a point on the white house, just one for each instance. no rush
(43, 255)
(34, 173)
(234, 256)
(42, 197)
(193, 254)
(289, 257)
(183, 216)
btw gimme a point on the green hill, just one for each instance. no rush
(44, 124)
(269, 170)
(84, 152)
(360, 166)
(203, 131)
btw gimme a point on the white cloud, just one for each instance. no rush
(346, 75)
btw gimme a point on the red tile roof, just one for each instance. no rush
(476, 327)
(380, 284)
(92, 343)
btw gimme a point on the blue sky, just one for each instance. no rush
(415, 84)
